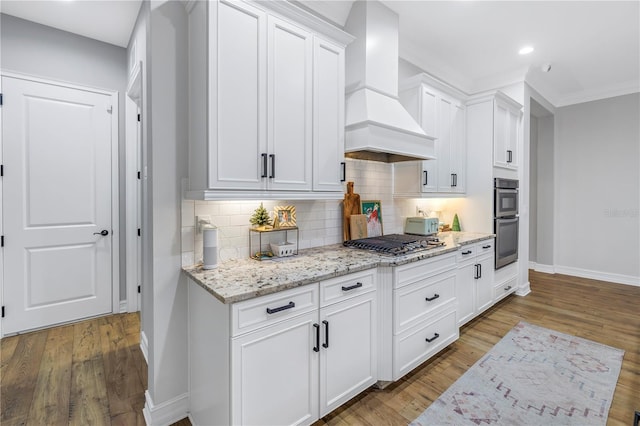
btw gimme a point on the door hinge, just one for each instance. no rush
(138, 117)
(1, 169)
(2, 241)
(139, 232)
(138, 175)
(1, 99)
(3, 312)
(138, 289)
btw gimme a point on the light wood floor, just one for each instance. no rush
(93, 372)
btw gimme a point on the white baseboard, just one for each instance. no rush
(598, 275)
(144, 346)
(547, 269)
(165, 413)
(123, 306)
(524, 289)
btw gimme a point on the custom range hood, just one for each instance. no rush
(377, 127)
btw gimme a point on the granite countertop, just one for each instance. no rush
(236, 280)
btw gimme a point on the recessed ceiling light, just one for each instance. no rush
(525, 50)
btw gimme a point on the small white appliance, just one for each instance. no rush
(209, 247)
(421, 225)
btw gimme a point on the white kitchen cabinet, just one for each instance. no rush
(440, 110)
(348, 359)
(419, 308)
(506, 281)
(328, 116)
(506, 127)
(274, 374)
(289, 106)
(284, 358)
(275, 102)
(474, 279)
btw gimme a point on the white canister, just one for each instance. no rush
(210, 247)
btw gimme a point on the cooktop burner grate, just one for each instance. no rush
(395, 244)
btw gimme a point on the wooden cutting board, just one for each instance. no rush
(358, 226)
(350, 205)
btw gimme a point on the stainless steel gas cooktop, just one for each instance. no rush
(396, 244)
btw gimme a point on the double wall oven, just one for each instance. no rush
(505, 221)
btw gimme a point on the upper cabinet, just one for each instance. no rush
(440, 110)
(507, 116)
(271, 124)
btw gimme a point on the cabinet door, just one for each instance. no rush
(465, 292)
(328, 116)
(348, 363)
(512, 141)
(274, 373)
(484, 284)
(458, 147)
(443, 145)
(505, 136)
(289, 117)
(237, 97)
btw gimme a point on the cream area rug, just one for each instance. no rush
(533, 376)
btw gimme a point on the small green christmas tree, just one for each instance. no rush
(456, 223)
(260, 217)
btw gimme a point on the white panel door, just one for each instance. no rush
(275, 374)
(289, 114)
(328, 124)
(238, 89)
(348, 364)
(57, 201)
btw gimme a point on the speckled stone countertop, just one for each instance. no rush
(237, 280)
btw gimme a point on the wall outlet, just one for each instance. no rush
(202, 220)
(419, 211)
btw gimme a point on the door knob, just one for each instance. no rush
(104, 233)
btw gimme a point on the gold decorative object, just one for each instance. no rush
(286, 216)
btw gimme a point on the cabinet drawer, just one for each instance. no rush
(411, 348)
(422, 299)
(346, 287)
(504, 289)
(412, 272)
(484, 247)
(255, 313)
(466, 253)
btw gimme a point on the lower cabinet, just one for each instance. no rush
(283, 359)
(424, 312)
(474, 280)
(506, 281)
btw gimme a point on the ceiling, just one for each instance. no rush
(593, 47)
(110, 21)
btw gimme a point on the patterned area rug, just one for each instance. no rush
(533, 376)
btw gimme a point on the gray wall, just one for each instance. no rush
(597, 186)
(533, 188)
(166, 158)
(41, 51)
(545, 191)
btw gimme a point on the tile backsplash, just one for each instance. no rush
(319, 222)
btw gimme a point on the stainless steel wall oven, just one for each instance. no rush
(505, 221)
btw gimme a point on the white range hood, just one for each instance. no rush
(377, 126)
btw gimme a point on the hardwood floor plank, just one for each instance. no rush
(53, 388)
(118, 364)
(88, 403)
(18, 384)
(7, 347)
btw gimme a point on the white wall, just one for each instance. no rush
(41, 51)
(597, 189)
